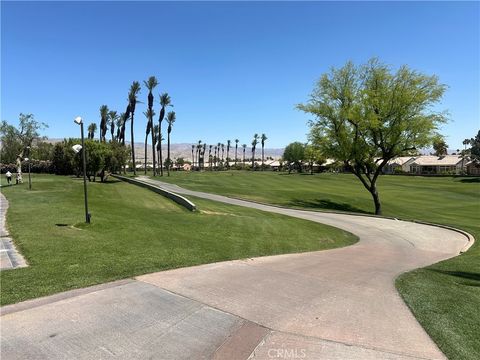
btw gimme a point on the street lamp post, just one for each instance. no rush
(78, 120)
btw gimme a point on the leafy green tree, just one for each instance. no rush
(294, 154)
(180, 161)
(117, 157)
(42, 150)
(367, 115)
(15, 141)
(165, 101)
(440, 147)
(170, 120)
(132, 102)
(313, 154)
(62, 159)
(475, 146)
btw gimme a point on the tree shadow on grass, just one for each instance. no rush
(471, 180)
(472, 279)
(326, 204)
(111, 181)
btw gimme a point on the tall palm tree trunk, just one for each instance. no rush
(133, 147)
(262, 158)
(153, 151)
(168, 154)
(146, 138)
(160, 155)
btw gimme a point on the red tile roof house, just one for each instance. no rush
(439, 165)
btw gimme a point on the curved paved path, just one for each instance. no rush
(333, 304)
(345, 295)
(10, 258)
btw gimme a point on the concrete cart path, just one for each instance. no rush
(10, 258)
(343, 295)
(334, 304)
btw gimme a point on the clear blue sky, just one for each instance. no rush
(232, 69)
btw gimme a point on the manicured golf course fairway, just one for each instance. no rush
(445, 297)
(135, 231)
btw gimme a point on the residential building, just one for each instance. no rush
(438, 165)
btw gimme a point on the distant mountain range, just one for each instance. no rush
(185, 150)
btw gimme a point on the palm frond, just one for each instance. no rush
(165, 100)
(151, 83)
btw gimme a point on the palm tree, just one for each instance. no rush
(156, 130)
(91, 130)
(103, 121)
(203, 155)
(244, 146)
(215, 157)
(228, 151)
(165, 101)
(254, 146)
(210, 156)
(193, 156)
(236, 149)
(218, 154)
(197, 152)
(263, 138)
(155, 134)
(150, 84)
(149, 114)
(132, 101)
(223, 152)
(125, 118)
(170, 120)
(119, 122)
(112, 118)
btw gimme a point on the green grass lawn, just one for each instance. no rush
(445, 297)
(135, 231)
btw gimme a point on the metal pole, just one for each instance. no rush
(87, 215)
(29, 177)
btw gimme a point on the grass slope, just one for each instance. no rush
(445, 297)
(135, 231)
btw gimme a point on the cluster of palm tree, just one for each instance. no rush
(112, 120)
(218, 160)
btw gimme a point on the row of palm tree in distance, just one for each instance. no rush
(199, 150)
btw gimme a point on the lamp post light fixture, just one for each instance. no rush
(77, 148)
